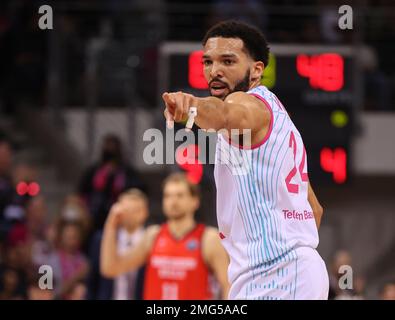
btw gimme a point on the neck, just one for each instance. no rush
(255, 84)
(131, 230)
(180, 227)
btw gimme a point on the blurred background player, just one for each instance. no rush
(134, 206)
(180, 255)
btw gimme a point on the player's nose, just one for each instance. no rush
(216, 71)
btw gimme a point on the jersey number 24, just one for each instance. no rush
(294, 187)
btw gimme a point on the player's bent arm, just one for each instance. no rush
(318, 211)
(239, 111)
(216, 258)
(112, 264)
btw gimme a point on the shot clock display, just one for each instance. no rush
(315, 84)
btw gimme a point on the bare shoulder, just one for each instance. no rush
(259, 110)
(244, 97)
(153, 228)
(212, 248)
(210, 235)
(150, 234)
(210, 231)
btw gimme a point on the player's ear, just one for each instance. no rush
(256, 71)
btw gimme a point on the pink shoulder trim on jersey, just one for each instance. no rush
(254, 146)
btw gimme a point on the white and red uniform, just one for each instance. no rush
(265, 220)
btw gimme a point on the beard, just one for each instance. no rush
(242, 85)
(175, 213)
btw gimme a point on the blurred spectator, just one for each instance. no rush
(14, 271)
(328, 22)
(387, 292)
(341, 258)
(5, 156)
(23, 57)
(24, 172)
(78, 292)
(34, 292)
(38, 226)
(99, 287)
(69, 263)
(74, 209)
(10, 285)
(36, 217)
(357, 288)
(187, 20)
(6, 188)
(14, 212)
(19, 251)
(248, 11)
(308, 33)
(103, 182)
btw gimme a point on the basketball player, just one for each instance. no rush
(134, 205)
(180, 255)
(268, 215)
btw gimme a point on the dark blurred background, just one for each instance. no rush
(95, 80)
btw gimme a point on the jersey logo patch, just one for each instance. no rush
(192, 244)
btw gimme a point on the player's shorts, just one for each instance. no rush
(300, 276)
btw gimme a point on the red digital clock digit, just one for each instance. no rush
(325, 71)
(196, 77)
(335, 162)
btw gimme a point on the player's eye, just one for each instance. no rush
(207, 63)
(228, 62)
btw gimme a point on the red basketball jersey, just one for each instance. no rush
(176, 269)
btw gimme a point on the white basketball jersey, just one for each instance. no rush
(125, 284)
(262, 208)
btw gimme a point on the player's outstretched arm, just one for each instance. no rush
(111, 263)
(315, 205)
(238, 111)
(217, 259)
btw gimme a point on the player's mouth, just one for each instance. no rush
(218, 88)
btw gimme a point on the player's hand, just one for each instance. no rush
(178, 105)
(116, 214)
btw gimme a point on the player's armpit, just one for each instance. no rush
(216, 258)
(318, 211)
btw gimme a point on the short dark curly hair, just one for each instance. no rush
(253, 39)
